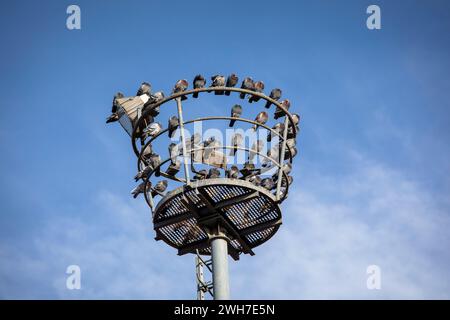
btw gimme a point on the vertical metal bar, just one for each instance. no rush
(281, 162)
(183, 140)
(219, 255)
(199, 277)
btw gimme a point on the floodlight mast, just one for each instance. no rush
(216, 216)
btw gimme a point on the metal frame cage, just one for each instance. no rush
(188, 216)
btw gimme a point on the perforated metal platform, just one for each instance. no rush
(249, 214)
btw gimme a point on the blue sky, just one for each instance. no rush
(371, 179)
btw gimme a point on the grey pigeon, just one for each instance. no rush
(173, 125)
(256, 180)
(213, 173)
(210, 146)
(267, 183)
(232, 81)
(275, 94)
(173, 152)
(200, 175)
(159, 188)
(174, 168)
(258, 86)
(155, 161)
(261, 118)
(255, 149)
(248, 84)
(278, 128)
(218, 81)
(236, 141)
(112, 118)
(145, 88)
(278, 112)
(115, 104)
(236, 112)
(233, 172)
(199, 82)
(181, 86)
(138, 190)
(143, 173)
(152, 130)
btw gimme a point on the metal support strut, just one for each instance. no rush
(203, 286)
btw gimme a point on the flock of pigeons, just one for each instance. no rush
(249, 172)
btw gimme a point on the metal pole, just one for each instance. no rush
(183, 140)
(281, 161)
(219, 255)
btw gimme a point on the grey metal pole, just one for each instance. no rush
(219, 255)
(183, 140)
(281, 161)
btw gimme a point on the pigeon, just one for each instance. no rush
(267, 183)
(287, 168)
(247, 83)
(147, 152)
(210, 146)
(296, 118)
(249, 169)
(200, 175)
(290, 133)
(290, 143)
(213, 173)
(261, 118)
(258, 87)
(256, 180)
(236, 112)
(194, 142)
(173, 152)
(159, 188)
(158, 96)
(236, 141)
(196, 139)
(173, 124)
(145, 88)
(217, 81)
(138, 190)
(152, 130)
(143, 173)
(233, 172)
(290, 179)
(112, 118)
(278, 128)
(199, 82)
(255, 149)
(293, 152)
(181, 86)
(115, 104)
(174, 168)
(275, 94)
(150, 104)
(155, 161)
(232, 81)
(278, 112)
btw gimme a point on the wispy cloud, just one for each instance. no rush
(331, 234)
(334, 227)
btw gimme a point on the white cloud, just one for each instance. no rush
(334, 227)
(373, 216)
